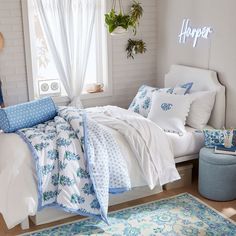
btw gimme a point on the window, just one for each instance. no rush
(43, 78)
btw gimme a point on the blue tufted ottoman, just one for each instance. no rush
(217, 175)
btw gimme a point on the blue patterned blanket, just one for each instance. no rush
(78, 163)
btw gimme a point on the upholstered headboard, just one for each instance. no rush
(204, 80)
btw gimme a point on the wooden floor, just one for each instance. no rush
(227, 208)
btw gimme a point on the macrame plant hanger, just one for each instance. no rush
(121, 10)
(118, 4)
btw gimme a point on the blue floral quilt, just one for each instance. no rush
(78, 163)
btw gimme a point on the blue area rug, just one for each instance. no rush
(179, 215)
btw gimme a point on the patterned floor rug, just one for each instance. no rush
(179, 215)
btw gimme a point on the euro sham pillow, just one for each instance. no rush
(141, 103)
(201, 108)
(170, 112)
(27, 114)
(181, 89)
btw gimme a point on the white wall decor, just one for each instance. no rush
(187, 31)
(216, 53)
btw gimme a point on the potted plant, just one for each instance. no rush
(136, 12)
(119, 23)
(134, 47)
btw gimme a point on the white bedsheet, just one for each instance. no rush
(190, 143)
(18, 196)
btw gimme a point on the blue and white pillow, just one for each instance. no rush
(141, 103)
(181, 89)
(27, 114)
(215, 137)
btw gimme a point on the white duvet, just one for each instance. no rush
(144, 145)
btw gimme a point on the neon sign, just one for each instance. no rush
(187, 31)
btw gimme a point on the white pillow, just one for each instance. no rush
(170, 111)
(201, 108)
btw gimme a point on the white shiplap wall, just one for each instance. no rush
(127, 75)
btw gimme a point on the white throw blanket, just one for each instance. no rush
(149, 143)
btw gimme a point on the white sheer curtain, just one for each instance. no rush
(68, 27)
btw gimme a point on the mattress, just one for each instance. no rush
(188, 144)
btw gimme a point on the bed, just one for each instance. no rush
(192, 141)
(187, 147)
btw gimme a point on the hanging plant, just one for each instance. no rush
(119, 23)
(134, 47)
(115, 21)
(136, 13)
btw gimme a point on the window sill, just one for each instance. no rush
(84, 96)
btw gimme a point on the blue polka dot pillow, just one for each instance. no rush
(142, 101)
(27, 114)
(215, 137)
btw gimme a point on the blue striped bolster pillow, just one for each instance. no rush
(27, 114)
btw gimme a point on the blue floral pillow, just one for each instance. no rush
(214, 138)
(141, 104)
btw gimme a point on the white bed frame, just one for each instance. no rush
(204, 80)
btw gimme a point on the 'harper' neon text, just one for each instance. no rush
(189, 32)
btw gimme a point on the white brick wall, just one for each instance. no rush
(127, 74)
(12, 60)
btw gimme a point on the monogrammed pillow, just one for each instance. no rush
(170, 111)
